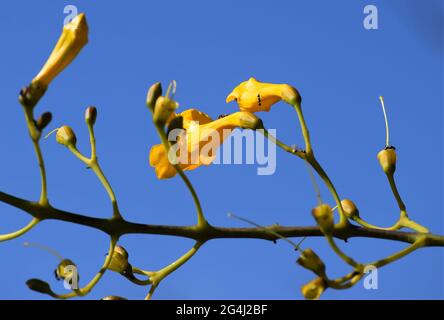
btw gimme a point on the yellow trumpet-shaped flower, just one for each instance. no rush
(254, 96)
(198, 141)
(73, 38)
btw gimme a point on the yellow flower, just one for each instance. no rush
(199, 140)
(254, 96)
(314, 289)
(74, 37)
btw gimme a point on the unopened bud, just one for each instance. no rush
(43, 121)
(291, 95)
(324, 218)
(248, 120)
(66, 136)
(65, 269)
(163, 109)
(311, 261)
(30, 95)
(154, 92)
(91, 115)
(73, 38)
(113, 298)
(314, 289)
(119, 261)
(38, 285)
(387, 160)
(350, 209)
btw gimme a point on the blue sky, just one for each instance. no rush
(321, 47)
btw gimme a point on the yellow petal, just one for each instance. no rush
(160, 162)
(206, 139)
(202, 134)
(234, 95)
(193, 115)
(73, 38)
(156, 154)
(255, 96)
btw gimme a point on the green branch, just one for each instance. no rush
(122, 227)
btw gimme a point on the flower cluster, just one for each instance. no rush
(195, 131)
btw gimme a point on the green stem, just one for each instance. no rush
(158, 276)
(201, 221)
(280, 144)
(321, 172)
(18, 233)
(269, 230)
(345, 282)
(395, 191)
(94, 165)
(313, 162)
(304, 127)
(92, 141)
(79, 155)
(35, 135)
(404, 220)
(130, 275)
(142, 272)
(137, 281)
(44, 190)
(420, 242)
(341, 254)
(87, 289)
(354, 280)
(122, 227)
(365, 224)
(310, 158)
(338, 283)
(99, 173)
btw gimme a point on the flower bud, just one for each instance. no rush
(66, 136)
(30, 95)
(154, 92)
(73, 38)
(324, 218)
(163, 109)
(311, 261)
(43, 121)
(314, 289)
(91, 116)
(349, 208)
(65, 269)
(38, 285)
(119, 261)
(387, 160)
(291, 95)
(248, 120)
(113, 298)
